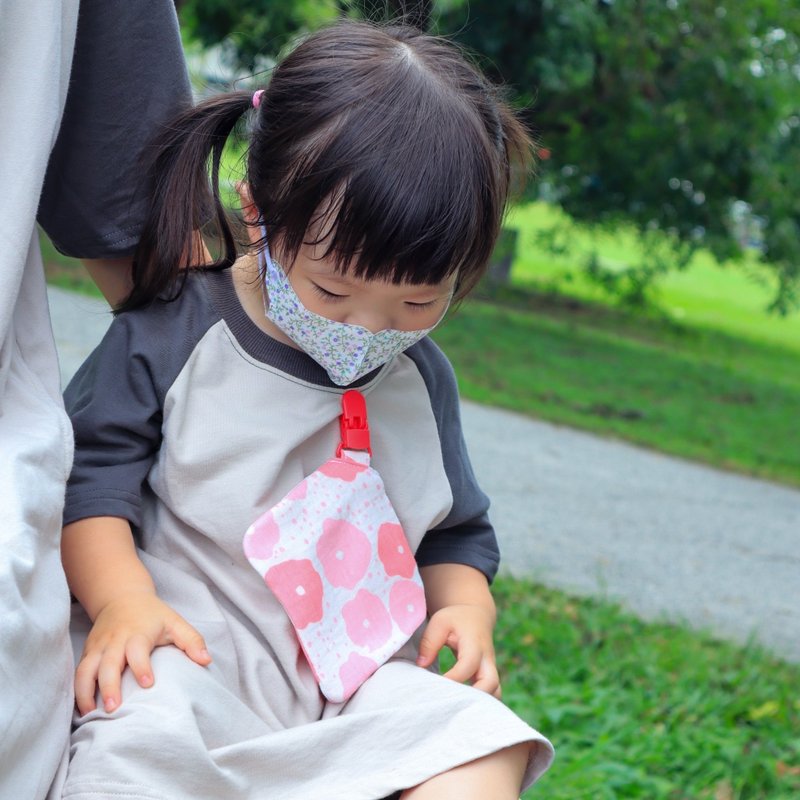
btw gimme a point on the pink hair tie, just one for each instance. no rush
(257, 98)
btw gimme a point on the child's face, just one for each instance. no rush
(375, 305)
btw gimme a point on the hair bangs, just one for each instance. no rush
(419, 215)
(401, 180)
(385, 144)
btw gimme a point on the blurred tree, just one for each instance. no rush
(680, 118)
(660, 113)
(412, 12)
(255, 29)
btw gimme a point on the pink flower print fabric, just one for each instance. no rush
(335, 555)
(298, 586)
(406, 599)
(393, 551)
(367, 620)
(345, 553)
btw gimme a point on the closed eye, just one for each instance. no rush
(421, 306)
(326, 295)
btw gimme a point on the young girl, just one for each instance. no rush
(378, 169)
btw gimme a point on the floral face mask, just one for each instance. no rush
(346, 352)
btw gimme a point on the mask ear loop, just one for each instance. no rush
(264, 255)
(264, 262)
(267, 264)
(263, 251)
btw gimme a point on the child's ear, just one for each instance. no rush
(249, 208)
(250, 212)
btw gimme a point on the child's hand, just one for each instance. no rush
(467, 631)
(126, 631)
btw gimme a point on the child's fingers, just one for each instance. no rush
(86, 683)
(109, 676)
(137, 654)
(188, 639)
(467, 664)
(433, 640)
(487, 678)
(472, 665)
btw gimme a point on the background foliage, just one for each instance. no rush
(681, 119)
(659, 113)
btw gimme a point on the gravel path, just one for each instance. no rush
(667, 538)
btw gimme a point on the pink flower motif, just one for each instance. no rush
(344, 551)
(261, 537)
(394, 551)
(354, 672)
(344, 470)
(367, 621)
(407, 604)
(298, 586)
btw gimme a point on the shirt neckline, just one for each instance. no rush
(258, 344)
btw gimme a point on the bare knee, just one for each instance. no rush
(498, 775)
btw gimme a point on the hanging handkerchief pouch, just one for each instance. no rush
(335, 555)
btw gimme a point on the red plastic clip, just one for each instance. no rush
(353, 425)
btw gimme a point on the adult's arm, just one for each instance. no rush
(128, 78)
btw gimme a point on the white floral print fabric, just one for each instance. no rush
(346, 352)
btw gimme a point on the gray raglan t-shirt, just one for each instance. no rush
(190, 402)
(192, 423)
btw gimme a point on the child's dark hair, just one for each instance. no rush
(390, 131)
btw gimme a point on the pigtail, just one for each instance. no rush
(181, 199)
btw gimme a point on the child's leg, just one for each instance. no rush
(498, 776)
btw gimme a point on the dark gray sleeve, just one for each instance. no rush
(466, 535)
(116, 417)
(128, 77)
(116, 399)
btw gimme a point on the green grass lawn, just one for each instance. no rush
(707, 374)
(644, 710)
(699, 394)
(727, 298)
